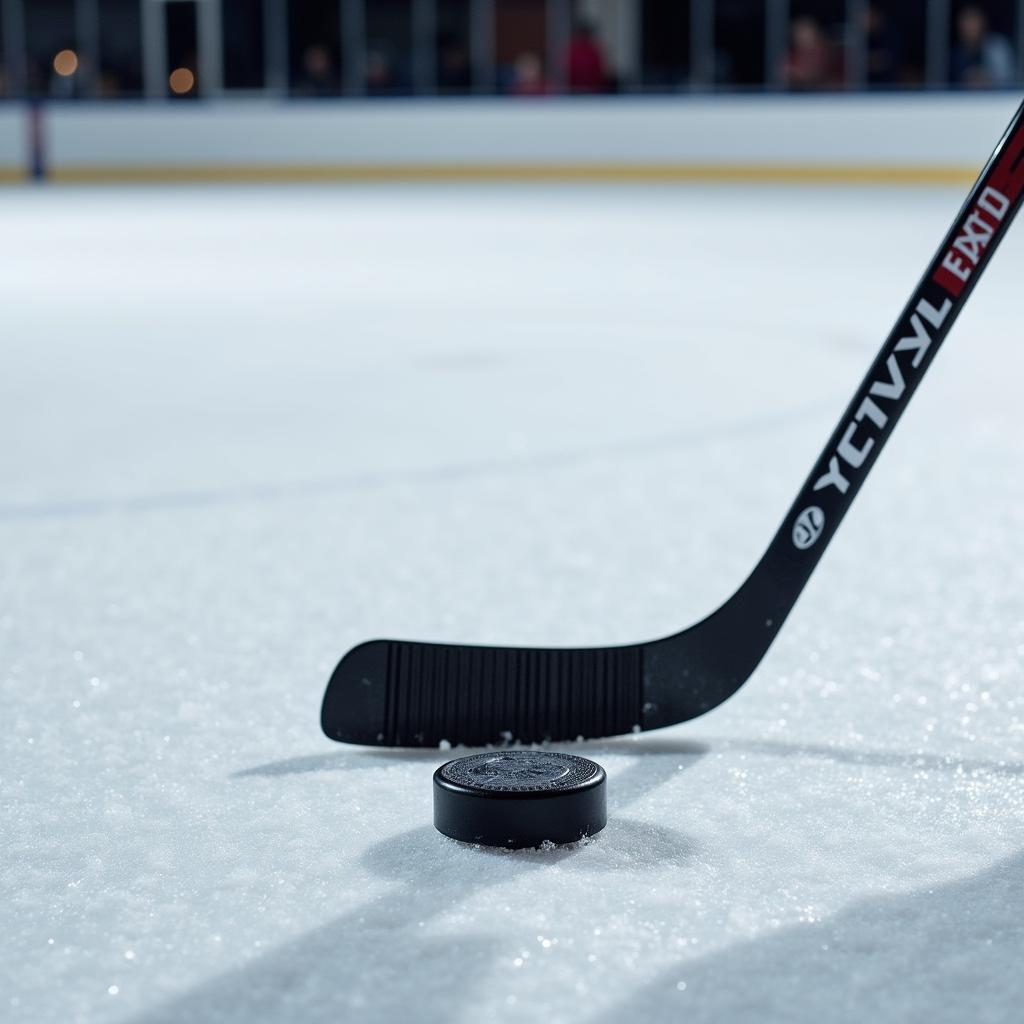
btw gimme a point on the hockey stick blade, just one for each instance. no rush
(401, 693)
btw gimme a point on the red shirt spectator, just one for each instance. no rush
(585, 67)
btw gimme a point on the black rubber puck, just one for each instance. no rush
(520, 798)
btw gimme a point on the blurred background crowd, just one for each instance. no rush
(67, 49)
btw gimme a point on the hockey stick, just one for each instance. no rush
(401, 693)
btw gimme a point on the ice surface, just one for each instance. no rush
(246, 429)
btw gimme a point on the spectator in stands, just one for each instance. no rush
(982, 59)
(454, 71)
(110, 85)
(380, 75)
(528, 76)
(884, 47)
(318, 76)
(585, 66)
(812, 61)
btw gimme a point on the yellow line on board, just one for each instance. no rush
(824, 174)
(10, 175)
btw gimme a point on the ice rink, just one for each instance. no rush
(246, 428)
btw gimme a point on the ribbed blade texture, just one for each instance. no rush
(481, 695)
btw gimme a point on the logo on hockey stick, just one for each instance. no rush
(809, 526)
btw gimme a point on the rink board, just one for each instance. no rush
(904, 139)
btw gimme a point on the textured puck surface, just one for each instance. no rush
(519, 798)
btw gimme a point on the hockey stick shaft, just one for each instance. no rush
(901, 364)
(687, 675)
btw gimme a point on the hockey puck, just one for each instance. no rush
(519, 798)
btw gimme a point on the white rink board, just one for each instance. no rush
(14, 139)
(916, 131)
